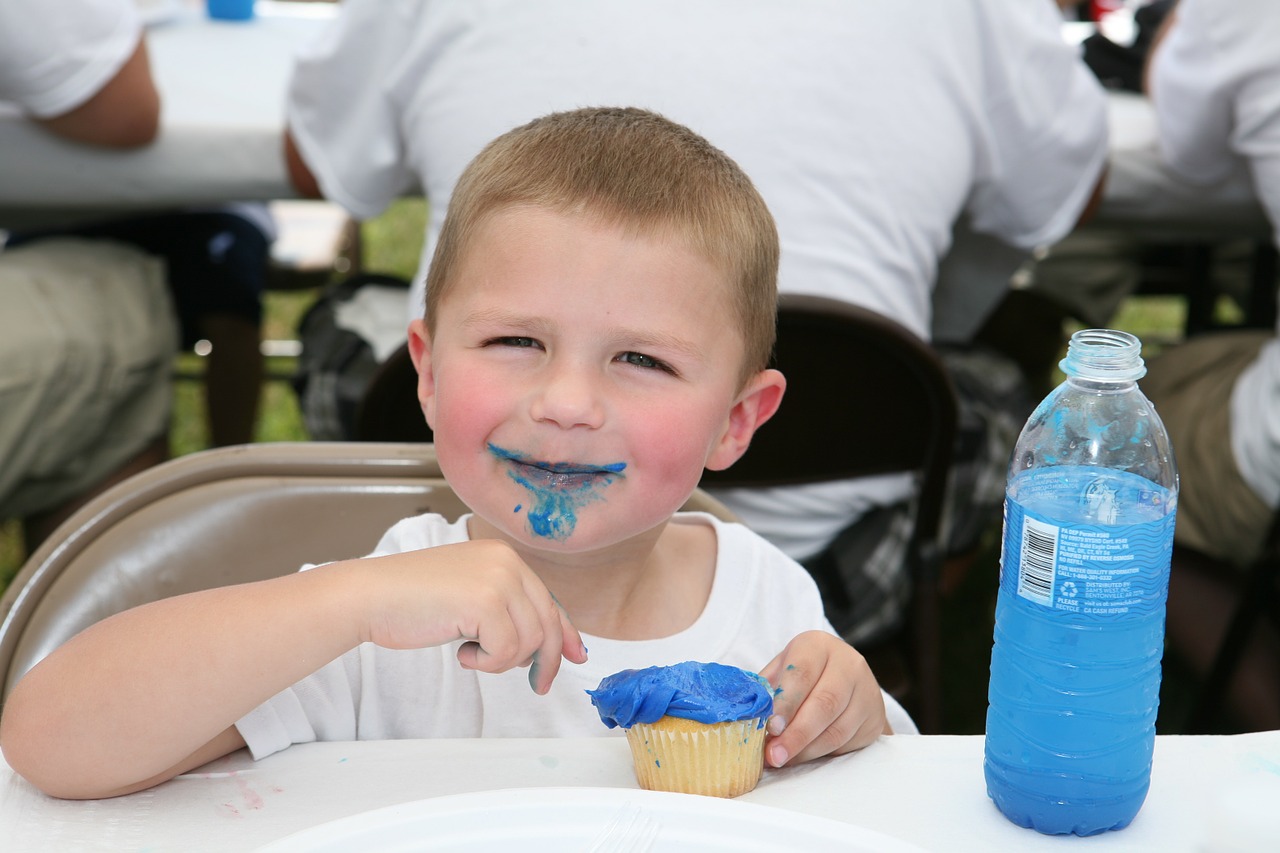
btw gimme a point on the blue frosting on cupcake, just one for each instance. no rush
(705, 692)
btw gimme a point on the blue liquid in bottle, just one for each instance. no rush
(1075, 666)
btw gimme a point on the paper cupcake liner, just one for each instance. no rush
(687, 757)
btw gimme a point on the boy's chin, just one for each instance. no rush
(586, 535)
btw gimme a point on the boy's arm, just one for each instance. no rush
(827, 700)
(156, 690)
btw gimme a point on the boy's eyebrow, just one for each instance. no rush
(502, 317)
(642, 338)
(660, 340)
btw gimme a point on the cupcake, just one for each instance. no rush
(693, 728)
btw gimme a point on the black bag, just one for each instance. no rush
(337, 364)
(1120, 67)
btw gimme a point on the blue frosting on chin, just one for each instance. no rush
(705, 692)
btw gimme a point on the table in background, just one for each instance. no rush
(222, 87)
(1182, 224)
(926, 790)
(1144, 203)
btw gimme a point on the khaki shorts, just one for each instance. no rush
(87, 341)
(1190, 386)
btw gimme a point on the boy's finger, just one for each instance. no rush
(496, 647)
(575, 650)
(467, 653)
(569, 646)
(791, 684)
(770, 671)
(808, 737)
(559, 638)
(813, 729)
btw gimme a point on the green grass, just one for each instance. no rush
(393, 241)
(11, 551)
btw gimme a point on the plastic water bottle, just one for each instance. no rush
(1084, 573)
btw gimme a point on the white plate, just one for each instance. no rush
(568, 819)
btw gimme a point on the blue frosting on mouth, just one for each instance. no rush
(705, 692)
(559, 489)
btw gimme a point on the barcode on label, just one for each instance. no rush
(1038, 562)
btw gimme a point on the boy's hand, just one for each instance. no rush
(826, 700)
(479, 591)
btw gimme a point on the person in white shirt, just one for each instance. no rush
(869, 127)
(600, 318)
(1213, 79)
(87, 335)
(215, 258)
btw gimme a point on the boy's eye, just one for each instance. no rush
(648, 362)
(512, 341)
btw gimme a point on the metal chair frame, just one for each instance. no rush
(224, 516)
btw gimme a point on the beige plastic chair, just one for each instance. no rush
(220, 517)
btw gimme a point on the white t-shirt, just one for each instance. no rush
(1216, 89)
(868, 127)
(759, 601)
(55, 56)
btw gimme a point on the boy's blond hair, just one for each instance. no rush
(635, 169)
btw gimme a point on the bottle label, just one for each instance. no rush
(1089, 544)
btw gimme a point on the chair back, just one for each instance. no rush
(864, 396)
(220, 517)
(1257, 602)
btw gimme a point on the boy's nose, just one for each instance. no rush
(569, 397)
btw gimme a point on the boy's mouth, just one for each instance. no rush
(558, 489)
(555, 475)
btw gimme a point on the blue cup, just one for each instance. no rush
(231, 10)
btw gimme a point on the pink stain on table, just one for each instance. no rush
(250, 799)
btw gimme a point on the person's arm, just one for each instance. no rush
(155, 691)
(300, 174)
(1095, 200)
(1156, 41)
(124, 113)
(1196, 86)
(827, 700)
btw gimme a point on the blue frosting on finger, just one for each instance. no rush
(705, 692)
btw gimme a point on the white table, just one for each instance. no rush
(928, 791)
(222, 86)
(1142, 197)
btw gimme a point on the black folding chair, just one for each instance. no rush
(1259, 600)
(864, 397)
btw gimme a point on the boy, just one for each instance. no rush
(599, 319)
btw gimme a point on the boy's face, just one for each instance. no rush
(579, 380)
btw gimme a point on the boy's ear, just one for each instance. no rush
(420, 353)
(755, 405)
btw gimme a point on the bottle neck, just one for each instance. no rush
(1103, 359)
